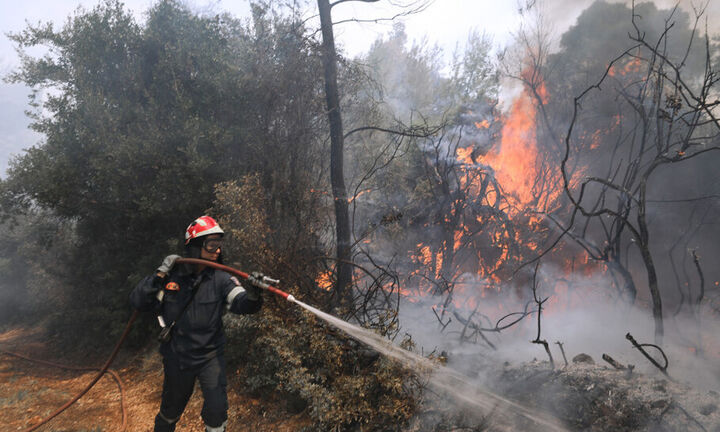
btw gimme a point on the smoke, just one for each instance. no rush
(564, 13)
(585, 320)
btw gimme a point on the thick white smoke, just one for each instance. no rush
(585, 320)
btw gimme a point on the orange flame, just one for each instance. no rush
(514, 161)
(324, 280)
(482, 124)
(527, 181)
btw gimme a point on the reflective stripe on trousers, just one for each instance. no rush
(220, 428)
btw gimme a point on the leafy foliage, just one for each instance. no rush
(32, 266)
(141, 122)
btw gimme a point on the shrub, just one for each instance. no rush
(289, 352)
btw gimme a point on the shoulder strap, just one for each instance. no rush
(195, 289)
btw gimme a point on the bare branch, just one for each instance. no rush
(562, 350)
(614, 363)
(411, 9)
(663, 368)
(335, 3)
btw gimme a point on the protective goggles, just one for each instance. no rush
(212, 245)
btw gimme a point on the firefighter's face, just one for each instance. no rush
(212, 247)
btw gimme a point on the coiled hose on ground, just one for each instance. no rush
(87, 388)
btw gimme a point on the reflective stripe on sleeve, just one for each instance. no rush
(160, 294)
(230, 297)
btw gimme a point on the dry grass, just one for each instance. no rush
(29, 392)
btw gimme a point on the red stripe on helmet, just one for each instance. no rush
(202, 226)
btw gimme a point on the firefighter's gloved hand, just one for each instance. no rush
(253, 292)
(167, 264)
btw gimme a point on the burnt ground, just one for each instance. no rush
(593, 397)
(29, 392)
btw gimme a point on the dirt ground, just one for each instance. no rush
(30, 392)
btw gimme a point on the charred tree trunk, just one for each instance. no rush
(447, 252)
(337, 180)
(654, 292)
(629, 289)
(647, 258)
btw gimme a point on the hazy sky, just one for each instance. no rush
(445, 22)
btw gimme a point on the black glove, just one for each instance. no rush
(253, 290)
(167, 264)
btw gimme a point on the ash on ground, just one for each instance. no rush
(584, 396)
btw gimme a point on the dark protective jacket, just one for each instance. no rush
(198, 334)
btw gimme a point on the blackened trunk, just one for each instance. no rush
(649, 263)
(337, 180)
(629, 290)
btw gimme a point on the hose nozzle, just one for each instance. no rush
(270, 280)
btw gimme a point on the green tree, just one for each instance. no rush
(141, 122)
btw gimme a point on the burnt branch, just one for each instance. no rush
(337, 2)
(411, 8)
(547, 350)
(540, 303)
(411, 132)
(640, 347)
(562, 350)
(523, 314)
(375, 294)
(440, 320)
(477, 330)
(696, 261)
(497, 328)
(614, 363)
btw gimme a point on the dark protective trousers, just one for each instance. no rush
(178, 386)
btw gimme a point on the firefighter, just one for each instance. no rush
(189, 301)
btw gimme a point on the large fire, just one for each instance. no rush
(521, 181)
(481, 256)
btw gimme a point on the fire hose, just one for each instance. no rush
(260, 281)
(87, 388)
